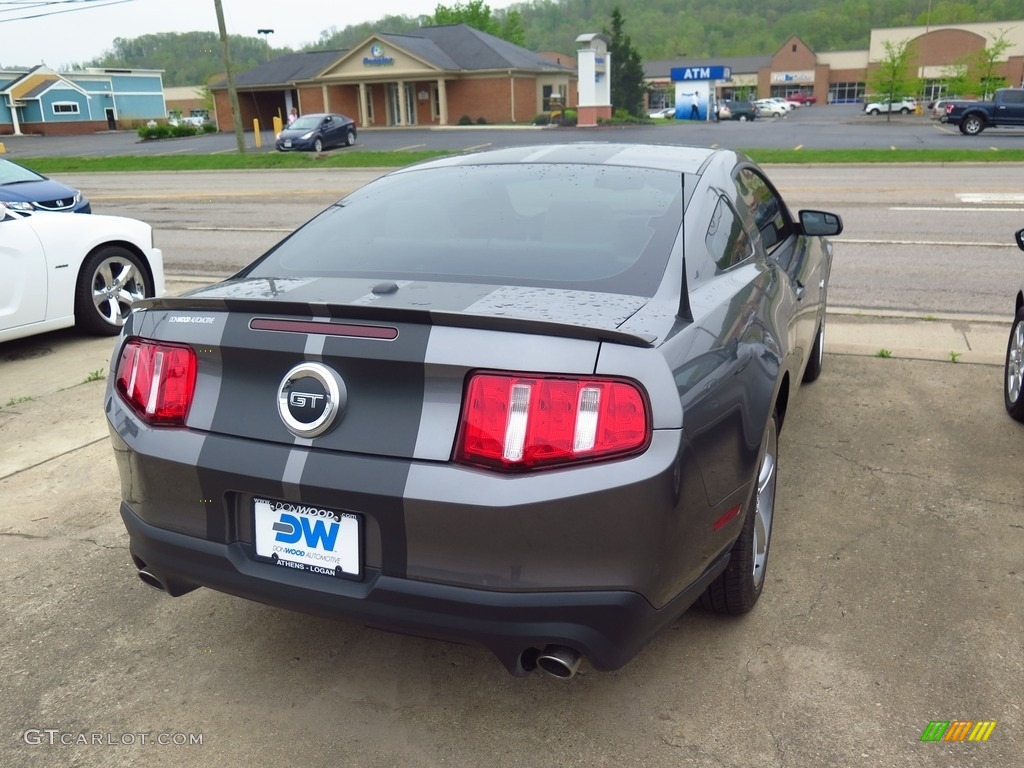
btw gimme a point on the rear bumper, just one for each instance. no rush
(609, 627)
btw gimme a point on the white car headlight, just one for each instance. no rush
(308, 135)
(17, 205)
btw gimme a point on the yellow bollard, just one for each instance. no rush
(256, 132)
(3, 149)
(278, 125)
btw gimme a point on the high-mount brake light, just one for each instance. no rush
(521, 422)
(157, 380)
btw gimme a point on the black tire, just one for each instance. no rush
(904, 111)
(742, 118)
(738, 587)
(817, 358)
(111, 280)
(350, 138)
(318, 145)
(1013, 376)
(972, 125)
(873, 112)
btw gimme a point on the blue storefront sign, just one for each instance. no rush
(684, 74)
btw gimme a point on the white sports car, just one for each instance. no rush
(62, 270)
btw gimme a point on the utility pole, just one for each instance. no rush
(236, 111)
(266, 38)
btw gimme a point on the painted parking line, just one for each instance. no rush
(477, 147)
(410, 147)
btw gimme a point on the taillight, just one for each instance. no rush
(157, 380)
(518, 422)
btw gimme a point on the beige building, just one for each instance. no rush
(841, 76)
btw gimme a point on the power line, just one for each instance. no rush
(24, 5)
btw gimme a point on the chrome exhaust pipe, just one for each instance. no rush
(559, 661)
(150, 579)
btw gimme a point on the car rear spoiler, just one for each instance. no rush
(383, 314)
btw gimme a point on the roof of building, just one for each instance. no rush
(458, 46)
(288, 68)
(662, 69)
(451, 47)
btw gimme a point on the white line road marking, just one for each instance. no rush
(991, 197)
(949, 243)
(961, 209)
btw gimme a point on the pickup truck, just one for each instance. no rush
(973, 117)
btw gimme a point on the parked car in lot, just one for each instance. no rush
(1013, 390)
(773, 107)
(972, 117)
(801, 98)
(26, 190)
(317, 132)
(664, 112)
(903, 106)
(937, 109)
(73, 270)
(729, 109)
(519, 419)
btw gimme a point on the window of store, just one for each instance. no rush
(65, 108)
(845, 93)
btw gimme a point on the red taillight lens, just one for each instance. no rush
(526, 422)
(157, 380)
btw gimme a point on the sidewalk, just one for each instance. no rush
(952, 338)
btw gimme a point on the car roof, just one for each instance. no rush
(668, 157)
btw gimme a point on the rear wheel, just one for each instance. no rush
(1013, 391)
(111, 281)
(904, 111)
(350, 138)
(739, 586)
(972, 125)
(743, 118)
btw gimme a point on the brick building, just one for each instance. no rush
(434, 76)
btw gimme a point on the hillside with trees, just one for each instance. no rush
(658, 29)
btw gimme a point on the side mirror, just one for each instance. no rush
(1020, 238)
(820, 223)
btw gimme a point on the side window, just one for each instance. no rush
(726, 238)
(766, 209)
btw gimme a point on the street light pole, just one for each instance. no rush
(266, 37)
(236, 111)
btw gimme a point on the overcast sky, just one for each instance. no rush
(89, 28)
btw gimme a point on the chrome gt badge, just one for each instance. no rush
(310, 398)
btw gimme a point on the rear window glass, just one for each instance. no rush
(593, 227)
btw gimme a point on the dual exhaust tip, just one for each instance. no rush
(555, 660)
(559, 661)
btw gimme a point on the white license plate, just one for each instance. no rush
(287, 142)
(306, 537)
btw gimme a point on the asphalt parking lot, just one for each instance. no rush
(893, 599)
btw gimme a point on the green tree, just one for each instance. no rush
(628, 88)
(983, 65)
(477, 14)
(892, 78)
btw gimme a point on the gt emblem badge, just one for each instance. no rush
(310, 398)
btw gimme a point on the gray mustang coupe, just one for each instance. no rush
(527, 398)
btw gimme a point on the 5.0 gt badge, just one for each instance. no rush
(310, 398)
